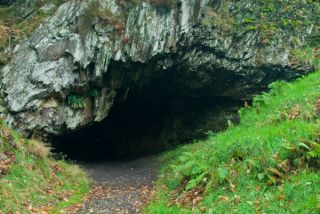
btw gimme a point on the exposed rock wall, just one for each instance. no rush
(90, 54)
(6, 2)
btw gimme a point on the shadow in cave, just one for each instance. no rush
(151, 120)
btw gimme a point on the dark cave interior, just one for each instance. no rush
(150, 120)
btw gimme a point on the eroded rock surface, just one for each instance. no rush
(90, 54)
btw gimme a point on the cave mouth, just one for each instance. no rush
(150, 120)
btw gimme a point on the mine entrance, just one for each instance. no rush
(152, 119)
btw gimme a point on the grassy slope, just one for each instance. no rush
(30, 180)
(267, 164)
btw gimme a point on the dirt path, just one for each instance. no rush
(120, 187)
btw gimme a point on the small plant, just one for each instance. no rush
(3, 44)
(221, 20)
(39, 149)
(311, 55)
(3, 58)
(3, 37)
(76, 101)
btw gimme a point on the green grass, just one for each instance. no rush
(35, 181)
(267, 164)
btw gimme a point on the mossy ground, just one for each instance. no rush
(31, 181)
(269, 163)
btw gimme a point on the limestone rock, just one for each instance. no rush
(91, 54)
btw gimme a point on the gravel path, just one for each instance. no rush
(120, 187)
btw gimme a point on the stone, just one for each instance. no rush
(85, 47)
(3, 157)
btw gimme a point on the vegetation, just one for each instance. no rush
(76, 101)
(16, 24)
(309, 55)
(3, 44)
(95, 14)
(267, 164)
(32, 181)
(269, 18)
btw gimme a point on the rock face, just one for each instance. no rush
(6, 2)
(90, 55)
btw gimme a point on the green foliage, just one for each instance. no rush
(3, 44)
(223, 20)
(271, 19)
(76, 101)
(310, 55)
(34, 179)
(267, 164)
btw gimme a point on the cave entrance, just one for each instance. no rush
(152, 119)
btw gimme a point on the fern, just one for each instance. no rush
(76, 101)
